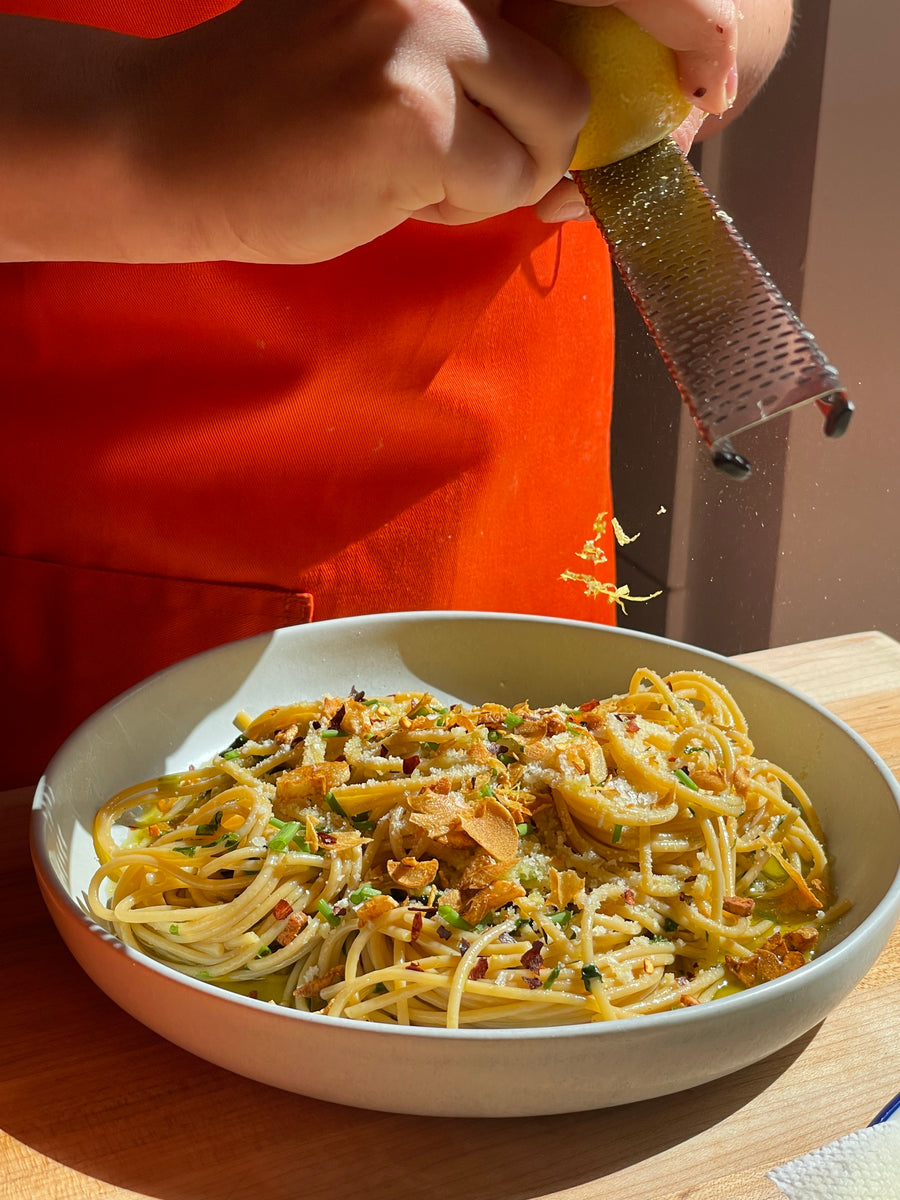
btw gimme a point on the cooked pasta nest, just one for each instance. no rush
(403, 861)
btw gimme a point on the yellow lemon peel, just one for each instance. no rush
(636, 97)
(591, 552)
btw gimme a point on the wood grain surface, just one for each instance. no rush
(93, 1105)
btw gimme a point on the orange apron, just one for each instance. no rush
(198, 453)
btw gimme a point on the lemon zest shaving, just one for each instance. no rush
(621, 536)
(591, 552)
(616, 594)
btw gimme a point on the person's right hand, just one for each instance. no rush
(286, 131)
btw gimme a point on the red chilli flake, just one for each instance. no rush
(589, 706)
(410, 764)
(282, 910)
(326, 839)
(415, 967)
(533, 959)
(416, 928)
(480, 969)
(628, 896)
(337, 719)
(632, 727)
(534, 982)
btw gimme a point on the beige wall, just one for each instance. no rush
(839, 551)
(810, 545)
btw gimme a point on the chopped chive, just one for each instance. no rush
(334, 805)
(229, 754)
(202, 975)
(494, 735)
(617, 833)
(511, 721)
(451, 917)
(487, 790)
(212, 828)
(186, 850)
(366, 892)
(561, 918)
(589, 973)
(512, 749)
(364, 826)
(683, 777)
(574, 728)
(552, 977)
(328, 913)
(693, 750)
(523, 829)
(263, 952)
(432, 747)
(173, 929)
(370, 703)
(332, 733)
(774, 870)
(285, 836)
(669, 925)
(170, 780)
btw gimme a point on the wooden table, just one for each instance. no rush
(94, 1105)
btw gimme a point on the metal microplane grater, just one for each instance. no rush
(734, 346)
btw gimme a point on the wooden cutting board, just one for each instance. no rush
(94, 1105)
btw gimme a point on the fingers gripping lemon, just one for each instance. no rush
(636, 98)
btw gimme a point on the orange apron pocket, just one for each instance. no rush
(74, 637)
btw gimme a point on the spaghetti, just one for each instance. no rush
(398, 860)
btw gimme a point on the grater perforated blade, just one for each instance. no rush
(734, 346)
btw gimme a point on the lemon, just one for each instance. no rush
(635, 95)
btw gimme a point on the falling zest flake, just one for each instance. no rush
(593, 553)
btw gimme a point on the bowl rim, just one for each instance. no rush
(890, 1110)
(785, 986)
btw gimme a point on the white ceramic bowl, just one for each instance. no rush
(181, 715)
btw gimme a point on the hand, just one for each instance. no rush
(286, 132)
(704, 36)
